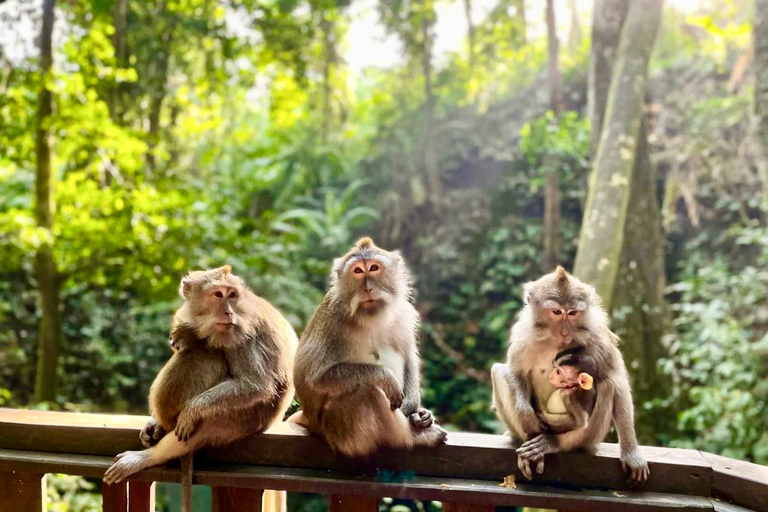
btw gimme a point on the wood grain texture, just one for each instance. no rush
(406, 486)
(115, 497)
(738, 482)
(141, 496)
(463, 507)
(347, 503)
(473, 456)
(22, 491)
(232, 499)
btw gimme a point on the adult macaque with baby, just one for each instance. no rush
(561, 312)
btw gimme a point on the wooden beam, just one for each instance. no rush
(115, 497)
(471, 456)
(463, 507)
(446, 490)
(141, 496)
(22, 491)
(739, 482)
(347, 503)
(234, 499)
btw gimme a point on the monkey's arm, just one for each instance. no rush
(624, 419)
(342, 377)
(563, 422)
(254, 380)
(411, 392)
(517, 389)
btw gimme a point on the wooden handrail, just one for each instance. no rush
(467, 470)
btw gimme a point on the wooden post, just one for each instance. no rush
(345, 503)
(463, 507)
(141, 496)
(115, 497)
(22, 491)
(235, 499)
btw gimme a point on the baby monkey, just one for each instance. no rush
(570, 405)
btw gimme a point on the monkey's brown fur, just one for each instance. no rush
(545, 327)
(231, 377)
(357, 366)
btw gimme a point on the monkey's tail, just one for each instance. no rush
(187, 472)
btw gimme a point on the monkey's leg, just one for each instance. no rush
(128, 463)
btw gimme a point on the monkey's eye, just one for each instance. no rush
(557, 312)
(374, 268)
(558, 371)
(358, 270)
(232, 295)
(218, 294)
(573, 313)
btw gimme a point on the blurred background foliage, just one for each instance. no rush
(191, 133)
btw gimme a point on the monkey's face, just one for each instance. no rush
(564, 376)
(368, 278)
(215, 300)
(559, 303)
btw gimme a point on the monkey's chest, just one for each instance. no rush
(542, 367)
(388, 357)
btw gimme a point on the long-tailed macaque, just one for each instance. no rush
(236, 383)
(574, 377)
(560, 311)
(357, 366)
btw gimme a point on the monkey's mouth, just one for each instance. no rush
(223, 327)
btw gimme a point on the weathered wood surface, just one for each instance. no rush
(742, 483)
(115, 497)
(472, 456)
(463, 507)
(407, 486)
(22, 491)
(231, 499)
(141, 496)
(346, 503)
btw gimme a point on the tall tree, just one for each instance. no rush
(760, 42)
(470, 33)
(574, 34)
(46, 273)
(602, 232)
(552, 237)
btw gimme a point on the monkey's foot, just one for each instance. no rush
(430, 436)
(421, 419)
(637, 467)
(126, 464)
(151, 433)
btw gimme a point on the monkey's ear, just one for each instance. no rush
(186, 287)
(527, 292)
(223, 270)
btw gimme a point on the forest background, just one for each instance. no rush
(141, 139)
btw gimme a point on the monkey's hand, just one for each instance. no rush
(538, 447)
(637, 467)
(151, 433)
(393, 391)
(186, 425)
(421, 419)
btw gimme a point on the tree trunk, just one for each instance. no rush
(49, 331)
(574, 35)
(434, 185)
(119, 40)
(602, 232)
(470, 33)
(552, 237)
(608, 18)
(330, 55)
(520, 12)
(760, 41)
(158, 84)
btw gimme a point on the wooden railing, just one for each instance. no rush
(464, 474)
